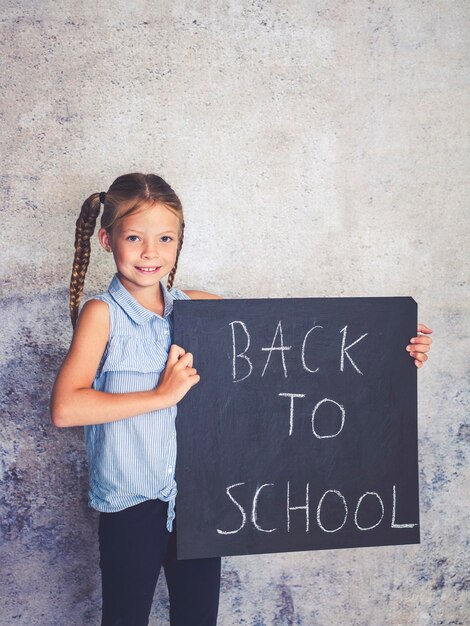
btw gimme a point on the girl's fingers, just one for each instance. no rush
(187, 359)
(418, 347)
(194, 379)
(422, 328)
(175, 353)
(421, 339)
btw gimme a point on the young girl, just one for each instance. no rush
(122, 379)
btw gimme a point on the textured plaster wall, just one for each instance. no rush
(320, 149)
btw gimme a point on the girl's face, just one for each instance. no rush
(144, 246)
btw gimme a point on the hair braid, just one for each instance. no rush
(85, 226)
(171, 275)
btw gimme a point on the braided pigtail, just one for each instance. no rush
(85, 226)
(171, 275)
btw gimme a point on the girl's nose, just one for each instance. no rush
(150, 252)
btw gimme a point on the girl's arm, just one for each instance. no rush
(202, 295)
(75, 403)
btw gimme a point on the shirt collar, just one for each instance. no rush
(136, 311)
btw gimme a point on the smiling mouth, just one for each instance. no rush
(148, 270)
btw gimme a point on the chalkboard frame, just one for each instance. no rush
(391, 323)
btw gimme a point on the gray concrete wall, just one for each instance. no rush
(320, 149)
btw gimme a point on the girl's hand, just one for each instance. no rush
(178, 376)
(420, 345)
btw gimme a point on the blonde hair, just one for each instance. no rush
(127, 194)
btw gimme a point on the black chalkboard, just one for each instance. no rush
(302, 432)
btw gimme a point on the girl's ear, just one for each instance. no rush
(104, 239)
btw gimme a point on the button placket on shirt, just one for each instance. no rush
(170, 468)
(160, 324)
(164, 324)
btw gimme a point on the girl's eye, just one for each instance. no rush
(165, 238)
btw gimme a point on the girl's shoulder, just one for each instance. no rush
(97, 310)
(103, 297)
(95, 306)
(201, 295)
(95, 314)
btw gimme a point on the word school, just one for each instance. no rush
(333, 497)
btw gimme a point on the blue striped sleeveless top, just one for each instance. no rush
(133, 459)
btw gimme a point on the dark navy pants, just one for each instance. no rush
(134, 544)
